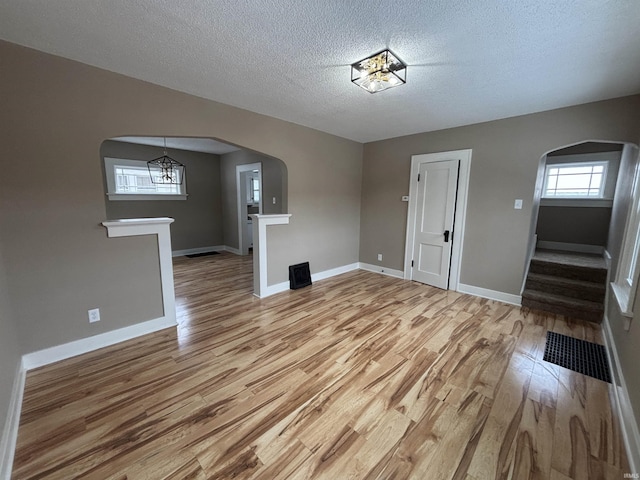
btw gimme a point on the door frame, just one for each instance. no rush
(242, 204)
(459, 219)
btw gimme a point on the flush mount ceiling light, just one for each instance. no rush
(165, 170)
(379, 71)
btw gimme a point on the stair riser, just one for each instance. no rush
(593, 294)
(590, 316)
(568, 271)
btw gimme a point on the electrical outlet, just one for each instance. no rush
(94, 315)
(379, 257)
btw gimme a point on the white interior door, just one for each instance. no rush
(435, 209)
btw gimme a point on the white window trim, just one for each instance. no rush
(601, 194)
(109, 164)
(624, 287)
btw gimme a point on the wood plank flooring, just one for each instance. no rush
(360, 376)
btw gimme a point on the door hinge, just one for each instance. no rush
(411, 263)
(418, 177)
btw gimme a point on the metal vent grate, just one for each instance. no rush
(299, 276)
(577, 355)
(198, 255)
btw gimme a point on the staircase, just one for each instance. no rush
(571, 284)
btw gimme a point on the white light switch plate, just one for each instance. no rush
(405, 198)
(518, 204)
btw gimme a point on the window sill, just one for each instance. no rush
(129, 197)
(621, 295)
(576, 202)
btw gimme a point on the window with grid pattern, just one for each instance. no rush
(575, 180)
(132, 180)
(137, 180)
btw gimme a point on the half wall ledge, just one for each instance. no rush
(260, 223)
(130, 227)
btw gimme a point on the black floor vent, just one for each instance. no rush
(577, 355)
(299, 276)
(205, 254)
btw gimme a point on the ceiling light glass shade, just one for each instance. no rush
(379, 72)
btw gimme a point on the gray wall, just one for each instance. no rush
(56, 114)
(504, 165)
(573, 223)
(627, 343)
(198, 220)
(10, 351)
(583, 225)
(274, 184)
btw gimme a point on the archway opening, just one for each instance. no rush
(566, 269)
(209, 206)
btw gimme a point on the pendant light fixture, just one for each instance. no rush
(379, 72)
(171, 171)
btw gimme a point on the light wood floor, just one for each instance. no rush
(359, 376)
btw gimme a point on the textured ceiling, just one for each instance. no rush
(469, 60)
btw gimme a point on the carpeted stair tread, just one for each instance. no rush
(560, 304)
(562, 300)
(566, 283)
(581, 289)
(570, 258)
(574, 272)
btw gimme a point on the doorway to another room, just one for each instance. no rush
(567, 268)
(249, 188)
(209, 202)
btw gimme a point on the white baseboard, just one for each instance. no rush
(571, 247)
(628, 423)
(10, 431)
(84, 345)
(229, 249)
(380, 269)
(194, 251)
(315, 277)
(273, 289)
(490, 294)
(55, 354)
(462, 288)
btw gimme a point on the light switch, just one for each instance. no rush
(518, 204)
(405, 198)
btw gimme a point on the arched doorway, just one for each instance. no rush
(566, 271)
(207, 204)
